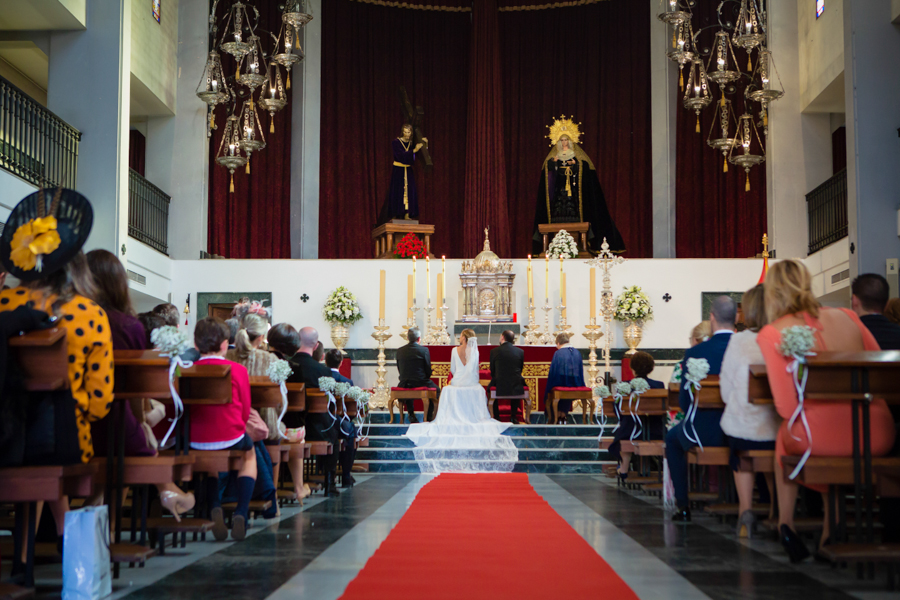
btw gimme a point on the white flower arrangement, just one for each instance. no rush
(279, 371)
(341, 388)
(564, 245)
(327, 384)
(601, 391)
(633, 304)
(341, 308)
(170, 341)
(639, 385)
(623, 388)
(697, 370)
(797, 342)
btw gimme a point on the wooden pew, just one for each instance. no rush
(43, 358)
(208, 384)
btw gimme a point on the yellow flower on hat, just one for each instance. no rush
(32, 240)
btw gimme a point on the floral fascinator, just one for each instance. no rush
(44, 231)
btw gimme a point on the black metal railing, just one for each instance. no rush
(148, 212)
(827, 209)
(35, 144)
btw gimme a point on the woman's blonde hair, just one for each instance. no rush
(701, 331)
(467, 333)
(789, 290)
(253, 326)
(753, 305)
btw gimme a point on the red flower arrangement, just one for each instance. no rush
(410, 246)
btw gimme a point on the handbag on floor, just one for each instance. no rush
(86, 571)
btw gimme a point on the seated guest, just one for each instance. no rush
(246, 352)
(705, 426)
(128, 334)
(892, 310)
(700, 333)
(319, 353)
(566, 370)
(168, 312)
(748, 426)
(507, 362)
(790, 302)
(234, 325)
(223, 427)
(64, 288)
(151, 322)
(333, 360)
(869, 299)
(414, 364)
(642, 364)
(284, 341)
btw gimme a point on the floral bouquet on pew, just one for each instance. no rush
(362, 398)
(327, 385)
(600, 392)
(341, 308)
(409, 246)
(697, 370)
(639, 385)
(278, 372)
(797, 343)
(622, 389)
(633, 305)
(172, 343)
(563, 245)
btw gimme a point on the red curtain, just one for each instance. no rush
(368, 51)
(715, 216)
(254, 221)
(590, 62)
(486, 198)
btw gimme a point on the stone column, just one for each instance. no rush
(663, 107)
(307, 114)
(89, 87)
(871, 90)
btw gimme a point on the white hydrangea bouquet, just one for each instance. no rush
(564, 245)
(362, 398)
(278, 372)
(633, 305)
(797, 343)
(341, 308)
(697, 370)
(172, 343)
(328, 385)
(600, 392)
(639, 385)
(620, 390)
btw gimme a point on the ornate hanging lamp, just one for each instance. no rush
(237, 32)
(750, 153)
(721, 125)
(722, 66)
(297, 12)
(291, 52)
(272, 97)
(682, 50)
(763, 89)
(253, 74)
(213, 89)
(673, 12)
(252, 138)
(750, 29)
(230, 154)
(697, 95)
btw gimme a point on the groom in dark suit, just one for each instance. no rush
(507, 362)
(414, 364)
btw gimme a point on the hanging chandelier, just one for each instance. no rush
(275, 100)
(229, 154)
(252, 138)
(762, 89)
(213, 88)
(752, 153)
(724, 142)
(697, 95)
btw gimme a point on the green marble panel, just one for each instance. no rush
(204, 299)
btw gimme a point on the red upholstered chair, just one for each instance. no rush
(426, 395)
(584, 394)
(525, 398)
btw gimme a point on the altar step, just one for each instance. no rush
(542, 448)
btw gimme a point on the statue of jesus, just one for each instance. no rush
(402, 200)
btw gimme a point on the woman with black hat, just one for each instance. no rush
(41, 247)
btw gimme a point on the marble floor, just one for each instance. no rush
(313, 552)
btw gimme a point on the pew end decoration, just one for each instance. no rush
(340, 311)
(278, 372)
(633, 308)
(563, 245)
(600, 392)
(327, 386)
(697, 370)
(621, 389)
(172, 343)
(797, 343)
(639, 385)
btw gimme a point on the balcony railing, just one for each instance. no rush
(827, 209)
(35, 144)
(148, 212)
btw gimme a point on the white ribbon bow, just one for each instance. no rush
(332, 402)
(691, 413)
(284, 406)
(174, 363)
(794, 369)
(636, 398)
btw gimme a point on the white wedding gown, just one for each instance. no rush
(463, 438)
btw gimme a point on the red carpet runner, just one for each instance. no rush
(472, 537)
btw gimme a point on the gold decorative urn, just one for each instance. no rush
(634, 331)
(340, 335)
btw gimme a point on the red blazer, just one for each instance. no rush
(223, 422)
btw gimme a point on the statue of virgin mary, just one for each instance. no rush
(570, 192)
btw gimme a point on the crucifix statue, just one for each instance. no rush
(403, 199)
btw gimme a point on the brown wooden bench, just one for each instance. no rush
(43, 358)
(164, 526)
(757, 461)
(399, 395)
(573, 394)
(525, 397)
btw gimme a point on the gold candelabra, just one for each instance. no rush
(441, 337)
(532, 335)
(606, 260)
(593, 332)
(563, 326)
(382, 393)
(410, 319)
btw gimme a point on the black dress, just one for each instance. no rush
(654, 426)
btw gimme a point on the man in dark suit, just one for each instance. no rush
(706, 423)
(870, 295)
(507, 362)
(321, 427)
(414, 364)
(333, 360)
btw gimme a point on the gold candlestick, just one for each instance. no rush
(382, 393)
(441, 337)
(593, 333)
(532, 330)
(429, 328)
(546, 338)
(606, 260)
(563, 326)
(410, 320)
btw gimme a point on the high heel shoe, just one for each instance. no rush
(793, 545)
(306, 494)
(745, 524)
(622, 477)
(176, 503)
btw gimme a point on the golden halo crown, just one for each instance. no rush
(563, 126)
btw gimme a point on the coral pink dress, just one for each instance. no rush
(829, 422)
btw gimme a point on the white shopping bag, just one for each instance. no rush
(668, 487)
(86, 572)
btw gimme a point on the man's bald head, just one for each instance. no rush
(309, 337)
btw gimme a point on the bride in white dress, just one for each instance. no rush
(463, 438)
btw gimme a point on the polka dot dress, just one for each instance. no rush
(90, 356)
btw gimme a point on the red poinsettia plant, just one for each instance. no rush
(410, 245)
